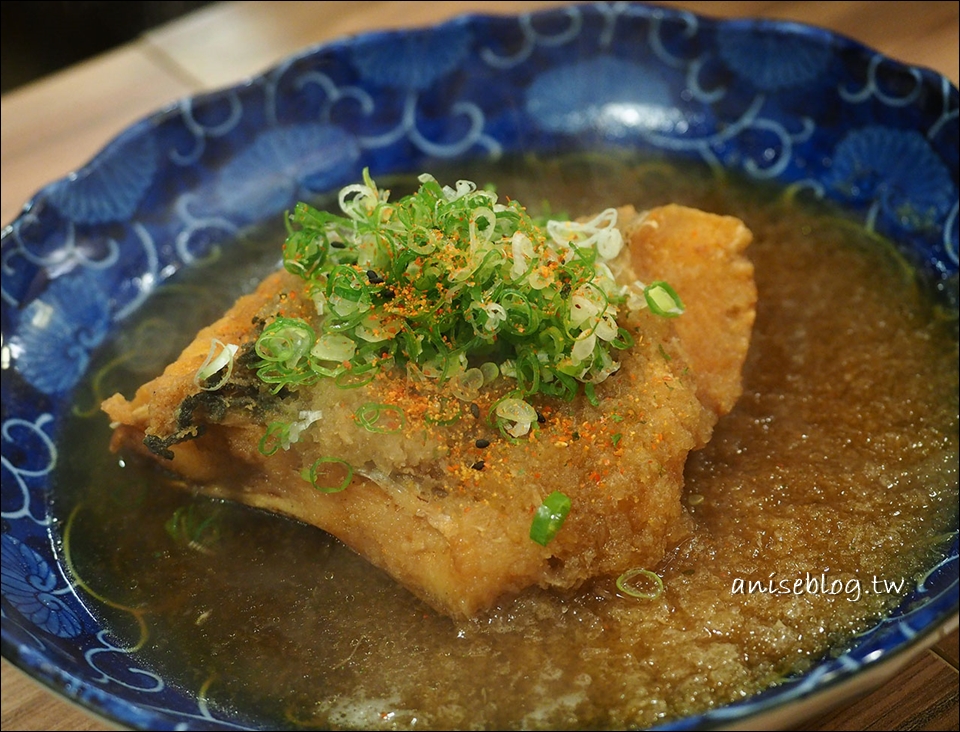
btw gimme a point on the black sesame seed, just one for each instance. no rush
(540, 418)
(478, 465)
(374, 278)
(482, 443)
(475, 410)
(338, 245)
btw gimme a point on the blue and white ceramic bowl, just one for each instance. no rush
(772, 100)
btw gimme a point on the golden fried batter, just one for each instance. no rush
(446, 509)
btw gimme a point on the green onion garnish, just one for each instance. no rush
(549, 517)
(383, 418)
(219, 358)
(652, 578)
(312, 475)
(189, 526)
(663, 300)
(284, 349)
(274, 438)
(456, 289)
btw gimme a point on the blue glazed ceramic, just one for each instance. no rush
(825, 114)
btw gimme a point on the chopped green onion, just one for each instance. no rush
(527, 368)
(623, 340)
(549, 517)
(306, 418)
(274, 438)
(313, 474)
(189, 527)
(663, 300)
(466, 385)
(334, 347)
(382, 418)
(284, 347)
(434, 283)
(356, 376)
(590, 392)
(513, 416)
(652, 577)
(490, 371)
(220, 355)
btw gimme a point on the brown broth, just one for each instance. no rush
(839, 461)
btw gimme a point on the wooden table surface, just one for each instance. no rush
(54, 125)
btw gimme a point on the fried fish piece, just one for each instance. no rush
(445, 505)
